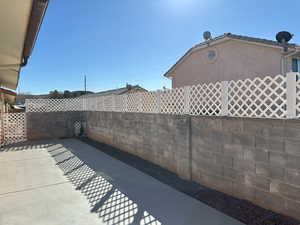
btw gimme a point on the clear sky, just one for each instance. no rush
(115, 42)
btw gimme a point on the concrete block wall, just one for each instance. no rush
(161, 139)
(49, 125)
(253, 159)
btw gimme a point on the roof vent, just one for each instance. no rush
(206, 35)
(283, 38)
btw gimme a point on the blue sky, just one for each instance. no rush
(115, 42)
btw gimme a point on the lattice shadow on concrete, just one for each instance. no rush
(26, 145)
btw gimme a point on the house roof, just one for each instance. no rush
(118, 91)
(252, 39)
(230, 36)
(20, 22)
(9, 96)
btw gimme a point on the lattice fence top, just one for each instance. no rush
(54, 105)
(205, 99)
(150, 102)
(262, 97)
(172, 101)
(259, 97)
(298, 98)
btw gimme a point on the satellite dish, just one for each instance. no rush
(206, 35)
(283, 37)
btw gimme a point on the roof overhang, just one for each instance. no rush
(20, 22)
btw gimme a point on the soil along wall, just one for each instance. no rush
(253, 159)
(49, 125)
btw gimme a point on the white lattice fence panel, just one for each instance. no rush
(109, 103)
(259, 97)
(1, 130)
(298, 97)
(134, 102)
(172, 101)
(54, 105)
(14, 127)
(91, 103)
(120, 103)
(86, 103)
(149, 102)
(205, 99)
(99, 101)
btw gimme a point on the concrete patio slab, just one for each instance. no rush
(22, 174)
(34, 191)
(55, 204)
(116, 192)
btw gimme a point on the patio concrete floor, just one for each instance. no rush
(69, 182)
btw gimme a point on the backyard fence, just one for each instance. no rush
(12, 128)
(261, 97)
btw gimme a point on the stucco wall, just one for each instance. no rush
(48, 125)
(235, 60)
(253, 159)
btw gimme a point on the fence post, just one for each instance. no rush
(187, 91)
(97, 108)
(224, 98)
(126, 102)
(113, 105)
(26, 106)
(140, 102)
(101, 103)
(84, 104)
(158, 93)
(291, 85)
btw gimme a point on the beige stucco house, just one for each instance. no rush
(233, 57)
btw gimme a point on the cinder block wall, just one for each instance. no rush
(161, 139)
(253, 159)
(49, 125)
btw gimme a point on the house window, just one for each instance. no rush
(211, 55)
(295, 65)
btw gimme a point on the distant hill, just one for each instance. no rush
(20, 98)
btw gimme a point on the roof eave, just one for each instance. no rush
(37, 15)
(195, 48)
(19, 38)
(215, 41)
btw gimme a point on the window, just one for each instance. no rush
(295, 65)
(211, 55)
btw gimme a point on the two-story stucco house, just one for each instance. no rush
(233, 57)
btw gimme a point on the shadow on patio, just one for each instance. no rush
(113, 206)
(119, 194)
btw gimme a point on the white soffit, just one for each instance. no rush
(14, 19)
